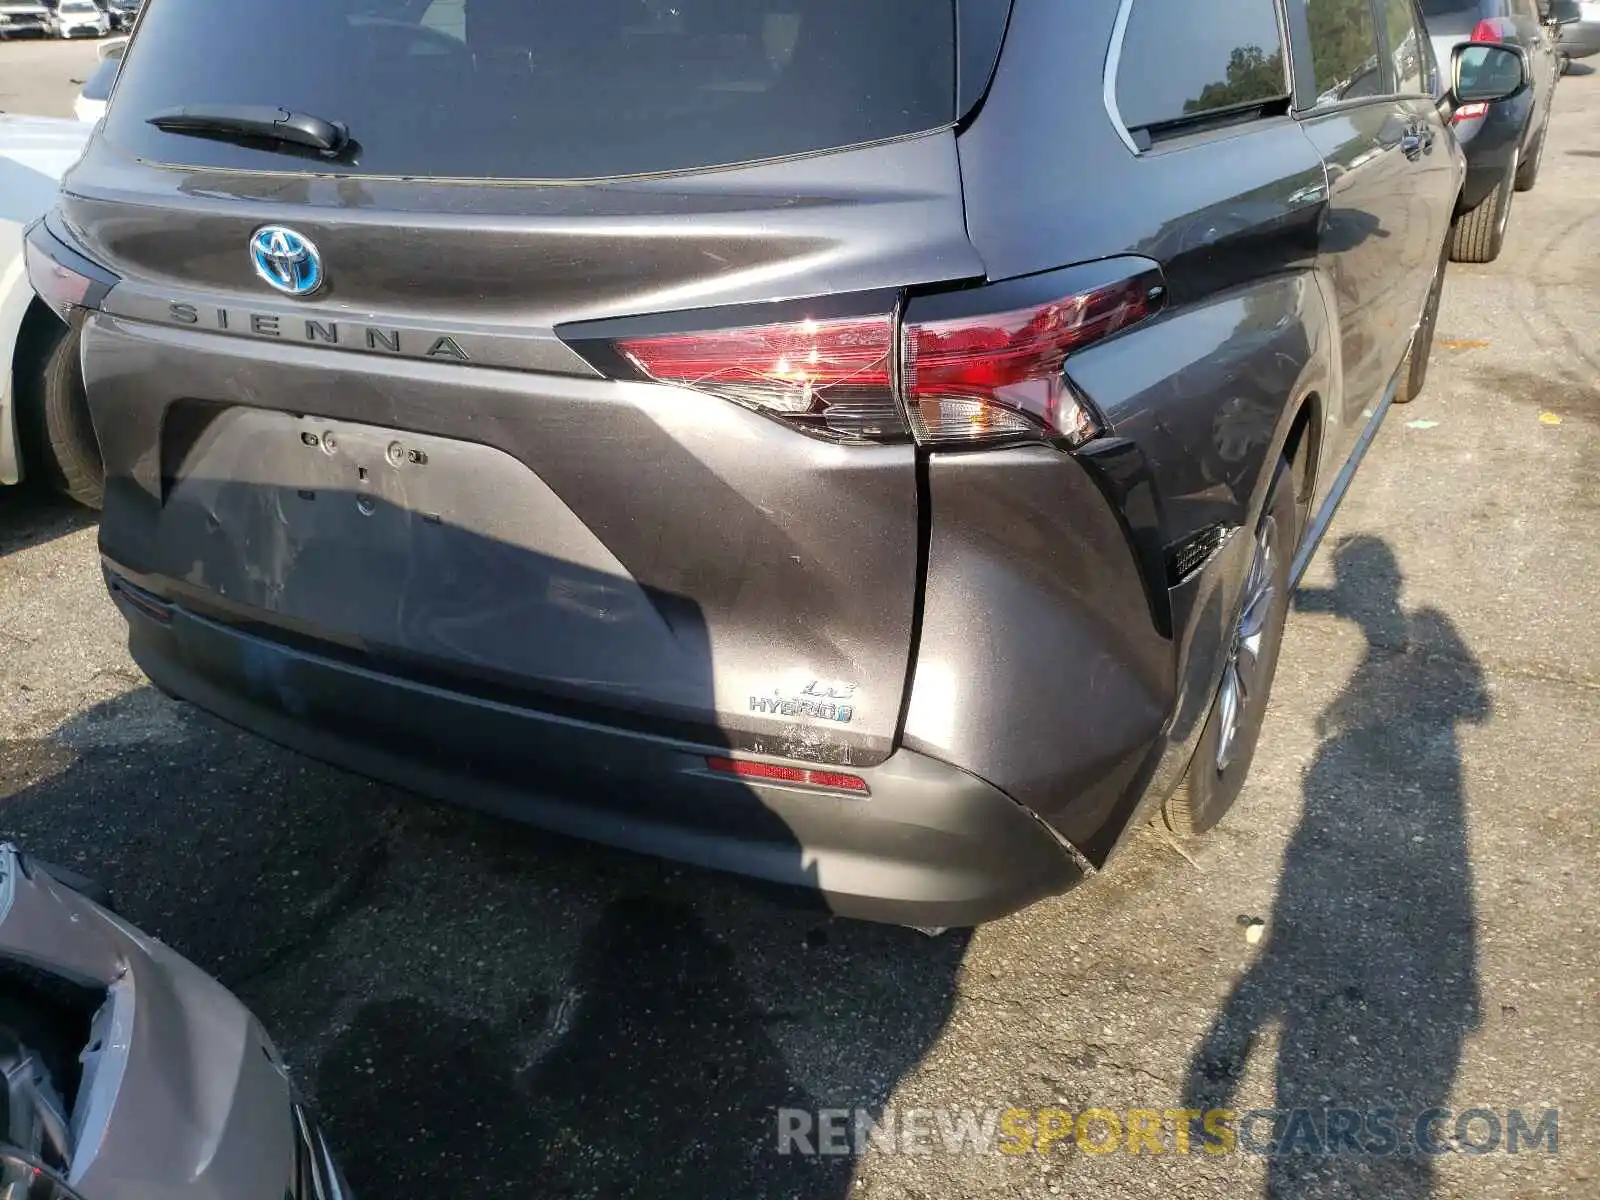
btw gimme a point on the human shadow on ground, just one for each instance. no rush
(1369, 971)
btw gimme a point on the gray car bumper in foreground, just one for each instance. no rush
(182, 1093)
(930, 845)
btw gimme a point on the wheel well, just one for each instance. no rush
(38, 323)
(1302, 449)
(27, 353)
(34, 339)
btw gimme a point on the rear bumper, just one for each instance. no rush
(1490, 143)
(182, 1094)
(932, 845)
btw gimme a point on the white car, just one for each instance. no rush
(44, 420)
(18, 17)
(90, 105)
(81, 18)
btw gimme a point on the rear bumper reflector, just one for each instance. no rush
(835, 781)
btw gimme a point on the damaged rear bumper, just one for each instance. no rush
(928, 845)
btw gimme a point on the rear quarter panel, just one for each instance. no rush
(1207, 394)
(1210, 396)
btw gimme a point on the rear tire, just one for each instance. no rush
(1227, 744)
(58, 439)
(1479, 234)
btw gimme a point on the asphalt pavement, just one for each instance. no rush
(41, 76)
(1401, 912)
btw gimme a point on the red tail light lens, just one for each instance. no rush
(58, 285)
(973, 367)
(64, 279)
(1470, 112)
(1495, 29)
(999, 376)
(837, 781)
(831, 376)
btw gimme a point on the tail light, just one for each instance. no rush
(1495, 29)
(831, 376)
(970, 367)
(64, 278)
(1470, 112)
(976, 379)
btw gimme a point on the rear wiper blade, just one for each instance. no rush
(255, 121)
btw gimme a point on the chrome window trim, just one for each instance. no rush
(1119, 32)
(1113, 67)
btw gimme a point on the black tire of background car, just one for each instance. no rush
(1206, 794)
(1528, 170)
(1479, 233)
(1414, 371)
(58, 441)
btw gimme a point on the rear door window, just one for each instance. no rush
(1181, 60)
(544, 89)
(1345, 55)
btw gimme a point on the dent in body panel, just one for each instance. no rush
(1209, 393)
(1038, 668)
(807, 570)
(182, 1091)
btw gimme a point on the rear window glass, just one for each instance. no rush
(1182, 59)
(543, 89)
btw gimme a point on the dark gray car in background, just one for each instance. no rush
(1503, 141)
(864, 444)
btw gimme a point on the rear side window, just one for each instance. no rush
(543, 89)
(1344, 50)
(1181, 60)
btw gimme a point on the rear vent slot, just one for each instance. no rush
(1188, 556)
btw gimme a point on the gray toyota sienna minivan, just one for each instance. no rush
(864, 444)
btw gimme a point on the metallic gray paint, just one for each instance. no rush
(807, 571)
(486, 345)
(934, 845)
(186, 1097)
(1002, 612)
(530, 256)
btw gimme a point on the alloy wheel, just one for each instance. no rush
(1241, 678)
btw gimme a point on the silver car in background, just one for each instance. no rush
(126, 1071)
